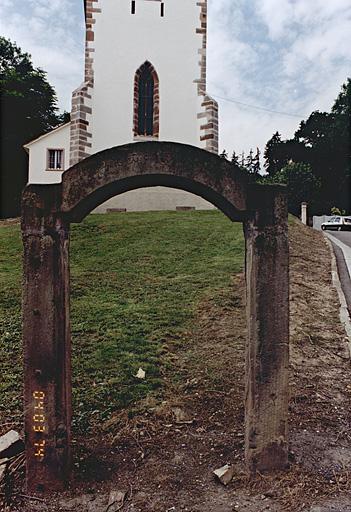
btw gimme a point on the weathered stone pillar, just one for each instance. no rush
(267, 356)
(46, 338)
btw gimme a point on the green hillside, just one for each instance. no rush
(136, 281)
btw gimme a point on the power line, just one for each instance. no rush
(231, 100)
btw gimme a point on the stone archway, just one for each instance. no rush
(48, 210)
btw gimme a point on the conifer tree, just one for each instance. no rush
(224, 154)
(249, 163)
(271, 155)
(235, 159)
(256, 167)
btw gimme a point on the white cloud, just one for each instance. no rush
(47, 29)
(295, 60)
(285, 16)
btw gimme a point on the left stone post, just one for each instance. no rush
(46, 339)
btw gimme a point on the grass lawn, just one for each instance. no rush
(136, 281)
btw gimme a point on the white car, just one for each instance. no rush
(337, 223)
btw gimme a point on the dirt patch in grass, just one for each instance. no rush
(162, 451)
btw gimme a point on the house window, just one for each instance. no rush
(146, 102)
(55, 160)
(133, 7)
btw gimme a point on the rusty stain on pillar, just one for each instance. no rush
(48, 210)
(267, 354)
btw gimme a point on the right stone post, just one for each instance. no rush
(267, 352)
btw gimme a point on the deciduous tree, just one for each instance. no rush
(28, 108)
(323, 142)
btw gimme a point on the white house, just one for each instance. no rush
(145, 79)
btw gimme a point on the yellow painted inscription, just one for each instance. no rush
(39, 423)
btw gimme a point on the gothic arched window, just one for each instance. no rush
(146, 102)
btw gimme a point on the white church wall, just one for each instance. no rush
(118, 43)
(57, 139)
(172, 46)
(154, 199)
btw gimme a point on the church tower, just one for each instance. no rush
(145, 79)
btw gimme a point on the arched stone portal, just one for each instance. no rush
(47, 212)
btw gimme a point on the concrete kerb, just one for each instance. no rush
(344, 312)
(345, 249)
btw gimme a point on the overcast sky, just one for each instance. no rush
(289, 56)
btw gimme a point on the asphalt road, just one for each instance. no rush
(343, 236)
(343, 259)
